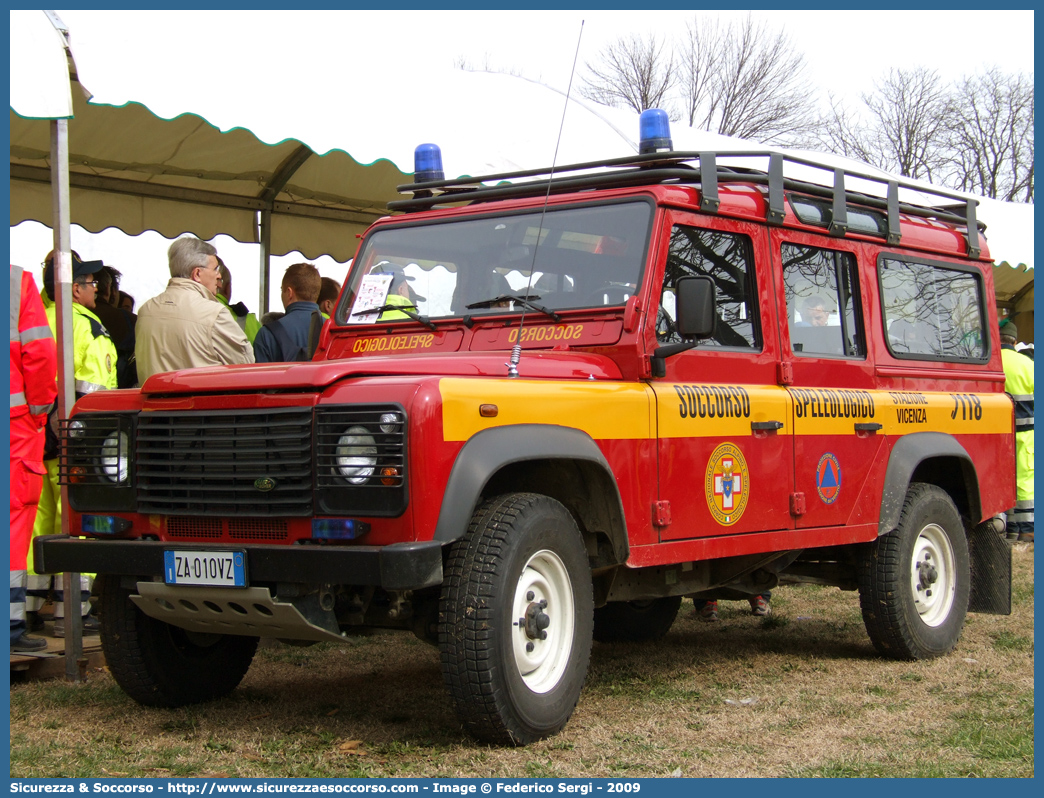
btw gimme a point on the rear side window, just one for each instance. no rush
(727, 258)
(931, 311)
(823, 305)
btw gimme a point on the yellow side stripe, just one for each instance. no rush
(634, 411)
(604, 410)
(824, 411)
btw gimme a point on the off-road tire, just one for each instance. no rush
(520, 549)
(160, 665)
(635, 621)
(903, 621)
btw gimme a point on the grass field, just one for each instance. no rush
(801, 693)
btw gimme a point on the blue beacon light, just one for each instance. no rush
(654, 132)
(427, 163)
(338, 528)
(104, 524)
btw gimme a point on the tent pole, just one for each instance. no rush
(63, 316)
(266, 254)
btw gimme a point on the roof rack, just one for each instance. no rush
(704, 169)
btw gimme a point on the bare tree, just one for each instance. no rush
(903, 127)
(697, 55)
(633, 71)
(842, 133)
(910, 112)
(464, 63)
(744, 81)
(992, 136)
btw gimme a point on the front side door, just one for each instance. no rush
(725, 451)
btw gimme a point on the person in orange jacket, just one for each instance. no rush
(34, 366)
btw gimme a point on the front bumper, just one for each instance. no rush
(399, 566)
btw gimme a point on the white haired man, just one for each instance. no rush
(186, 326)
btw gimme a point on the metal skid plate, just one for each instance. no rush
(248, 611)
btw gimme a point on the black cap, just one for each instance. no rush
(399, 277)
(81, 268)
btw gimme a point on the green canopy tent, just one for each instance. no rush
(133, 170)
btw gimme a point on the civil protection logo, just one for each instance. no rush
(727, 486)
(828, 478)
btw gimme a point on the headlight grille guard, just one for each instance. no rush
(382, 493)
(79, 456)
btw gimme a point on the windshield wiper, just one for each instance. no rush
(403, 309)
(522, 300)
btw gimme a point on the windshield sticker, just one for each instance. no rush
(727, 484)
(373, 291)
(828, 478)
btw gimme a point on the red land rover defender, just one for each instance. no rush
(547, 409)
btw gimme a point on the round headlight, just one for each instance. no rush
(76, 429)
(114, 457)
(390, 422)
(356, 455)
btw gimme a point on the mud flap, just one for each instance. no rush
(990, 556)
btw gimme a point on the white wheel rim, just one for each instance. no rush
(542, 661)
(933, 577)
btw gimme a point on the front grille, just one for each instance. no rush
(180, 527)
(240, 462)
(257, 529)
(237, 529)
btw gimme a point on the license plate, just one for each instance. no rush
(211, 568)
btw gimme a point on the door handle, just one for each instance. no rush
(868, 426)
(768, 426)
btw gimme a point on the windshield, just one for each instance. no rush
(575, 257)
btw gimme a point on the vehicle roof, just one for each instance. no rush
(907, 215)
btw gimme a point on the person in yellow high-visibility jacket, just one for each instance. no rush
(1018, 381)
(329, 290)
(246, 320)
(94, 369)
(400, 293)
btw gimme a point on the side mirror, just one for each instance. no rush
(695, 307)
(696, 319)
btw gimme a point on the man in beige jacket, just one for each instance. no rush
(186, 326)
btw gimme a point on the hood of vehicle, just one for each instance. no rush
(318, 375)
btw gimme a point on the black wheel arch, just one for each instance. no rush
(561, 462)
(934, 458)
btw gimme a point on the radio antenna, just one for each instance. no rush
(516, 350)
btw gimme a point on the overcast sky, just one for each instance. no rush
(251, 69)
(230, 61)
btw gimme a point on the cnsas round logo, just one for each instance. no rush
(828, 478)
(728, 484)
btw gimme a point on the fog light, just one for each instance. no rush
(338, 528)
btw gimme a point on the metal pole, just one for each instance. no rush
(265, 237)
(66, 396)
